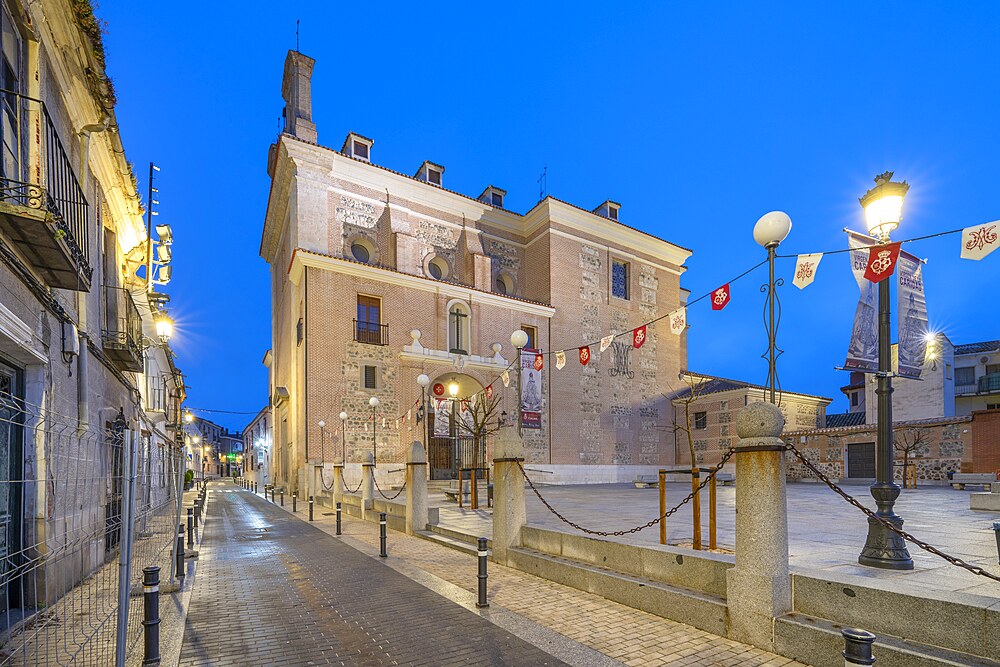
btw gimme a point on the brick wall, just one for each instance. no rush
(985, 441)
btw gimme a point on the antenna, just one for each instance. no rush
(296, 35)
(542, 183)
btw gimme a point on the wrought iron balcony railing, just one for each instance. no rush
(42, 206)
(121, 333)
(371, 333)
(989, 384)
(157, 394)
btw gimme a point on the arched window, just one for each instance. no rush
(459, 328)
(504, 284)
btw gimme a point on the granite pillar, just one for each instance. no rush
(509, 514)
(416, 489)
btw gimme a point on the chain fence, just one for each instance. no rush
(636, 529)
(83, 509)
(383, 494)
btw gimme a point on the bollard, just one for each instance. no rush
(711, 514)
(195, 512)
(338, 518)
(381, 535)
(282, 497)
(481, 602)
(180, 551)
(190, 528)
(996, 531)
(151, 615)
(255, 488)
(857, 647)
(310, 508)
(662, 483)
(295, 504)
(460, 488)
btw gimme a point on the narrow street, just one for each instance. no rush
(272, 590)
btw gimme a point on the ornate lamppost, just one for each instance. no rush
(453, 392)
(373, 402)
(518, 339)
(343, 436)
(883, 206)
(770, 230)
(322, 439)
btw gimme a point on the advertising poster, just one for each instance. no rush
(531, 391)
(912, 318)
(862, 353)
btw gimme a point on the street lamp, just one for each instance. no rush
(373, 402)
(188, 417)
(322, 439)
(883, 206)
(453, 392)
(164, 326)
(343, 436)
(770, 230)
(518, 339)
(423, 380)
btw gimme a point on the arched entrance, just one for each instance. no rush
(450, 445)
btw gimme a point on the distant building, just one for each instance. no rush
(221, 448)
(257, 439)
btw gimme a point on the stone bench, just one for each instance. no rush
(960, 479)
(646, 481)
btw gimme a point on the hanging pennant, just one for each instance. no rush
(383, 422)
(720, 297)
(805, 269)
(585, 355)
(505, 378)
(881, 261)
(539, 361)
(638, 336)
(489, 392)
(979, 241)
(606, 342)
(678, 321)
(560, 359)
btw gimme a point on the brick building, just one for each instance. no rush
(378, 276)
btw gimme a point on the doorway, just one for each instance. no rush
(861, 460)
(451, 445)
(11, 481)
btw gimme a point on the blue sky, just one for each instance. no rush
(697, 117)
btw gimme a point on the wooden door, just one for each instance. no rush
(861, 460)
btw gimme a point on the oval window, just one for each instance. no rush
(437, 268)
(504, 285)
(360, 252)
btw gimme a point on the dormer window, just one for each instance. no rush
(609, 210)
(493, 196)
(430, 173)
(358, 147)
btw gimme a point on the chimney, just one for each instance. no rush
(296, 88)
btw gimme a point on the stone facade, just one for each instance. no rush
(548, 270)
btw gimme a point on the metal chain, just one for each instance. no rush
(649, 524)
(323, 482)
(383, 494)
(348, 489)
(974, 569)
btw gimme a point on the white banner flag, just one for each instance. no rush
(606, 342)
(862, 353)
(981, 240)
(678, 321)
(505, 378)
(560, 359)
(805, 269)
(912, 322)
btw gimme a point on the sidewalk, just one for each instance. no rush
(627, 635)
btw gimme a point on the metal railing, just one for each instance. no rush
(157, 394)
(371, 333)
(75, 539)
(989, 384)
(966, 388)
(121, 333)
(29, 135)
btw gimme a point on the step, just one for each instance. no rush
(455, 535)
(447, 541)
(818, 642)
(702, 610)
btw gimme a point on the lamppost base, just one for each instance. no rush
(884, 548)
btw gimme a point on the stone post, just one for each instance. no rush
(759, 588)
(367, 484)
(416, 489)
(338, 480)
(509, 514)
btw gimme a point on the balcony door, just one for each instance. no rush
(11, 482)
(369, 319)
(10, 82)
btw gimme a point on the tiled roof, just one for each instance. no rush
(714, 385)
(976, 348)
(860, 428)
(845, 419)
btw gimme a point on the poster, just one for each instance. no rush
(442, 417)
(531, 391)
(912, 315)
(862, 352)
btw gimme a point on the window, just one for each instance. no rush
(360, 150)
(437, 268)
(299, 331)
(459, 328)
(613, 212)
(370, 377)
(10, 75)
(992, 368)
(368, 325)
(505, 285)
(993, 406)
(496, 199)
(947, 371)
(361, 252)
(700, 420)
(433, 176)
(965, 375)
(619, 279)
(532, 336)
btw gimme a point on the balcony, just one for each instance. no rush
(157, 394)
(121, 334)
(371, 333)
(42, 207)
(989, 384)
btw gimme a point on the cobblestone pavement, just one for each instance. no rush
(625, 634)
(272, 590)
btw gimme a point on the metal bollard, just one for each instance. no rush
(255, 488)
(194, 511)
(282, 497)
(151, 615)
(338, 518)
(190, 529)
(295, 503)
(180, 551)
(310, 508)
(482, 602)
(857, 647)
(381, 535)
(996, 531)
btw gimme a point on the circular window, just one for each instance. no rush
(504, 284)
(437, 268)
(360, 252)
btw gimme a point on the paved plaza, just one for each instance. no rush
(825, 533)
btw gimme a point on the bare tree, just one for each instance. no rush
(695, 386)
(910, 441)
(484, 420)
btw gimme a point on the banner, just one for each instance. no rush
(678, 321)
(638, 336)
(881, 262)
(862, 352)
(442, 417)
(720, 297)
(606, 342)
(912, 318)
(584, 355)
(531, 390)
(805, 269)
(560, 359)
(979, 241)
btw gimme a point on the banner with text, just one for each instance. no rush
(862, 353)
(531, 390)
(912, 318)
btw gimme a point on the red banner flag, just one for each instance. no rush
(720, 297)
(881, 262)
(539, 361)
(639, 336)
(584, 355)
(489, 392)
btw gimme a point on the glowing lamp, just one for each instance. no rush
(883, 205)
(453, 388)
(343, 416)
(164, 327)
